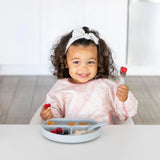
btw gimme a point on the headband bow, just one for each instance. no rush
(79, 33)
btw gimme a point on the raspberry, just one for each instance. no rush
(123, 69)
(59, 130)
(47, 105)
(54, 131)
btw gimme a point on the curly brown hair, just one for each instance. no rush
(106, 67)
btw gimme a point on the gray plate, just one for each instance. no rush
(70, 138)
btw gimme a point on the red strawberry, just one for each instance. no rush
(123, 69)
(59, 130)
(54, 131)
(47, 105)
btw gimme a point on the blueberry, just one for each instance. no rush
(65, 132)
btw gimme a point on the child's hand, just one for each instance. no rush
(122, 92)
(46, 113)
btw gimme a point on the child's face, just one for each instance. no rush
(82, 63)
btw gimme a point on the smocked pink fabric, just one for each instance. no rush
(96, 99)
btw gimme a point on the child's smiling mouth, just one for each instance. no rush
(83, 75)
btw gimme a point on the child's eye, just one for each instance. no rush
(91, 62)
(76, 62)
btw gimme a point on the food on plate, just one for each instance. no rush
(80, 132)
(72, 123)
(60, 131)
(54, 131)
(65, 132)
(83, 123)
(50, 123)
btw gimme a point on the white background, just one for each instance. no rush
(28, 29)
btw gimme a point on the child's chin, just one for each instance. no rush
(83, 81)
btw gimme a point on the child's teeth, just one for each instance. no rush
(83, 74)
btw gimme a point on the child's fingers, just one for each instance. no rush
(122, 98)
(121, 95)
(43, 108)
(45, 113)
(42, 113)
(121, 92)
(123, 88)
(50, 116)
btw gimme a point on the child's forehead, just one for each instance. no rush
(82, 51)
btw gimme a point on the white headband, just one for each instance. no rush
(79, 33)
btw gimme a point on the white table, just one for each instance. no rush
(25, 142)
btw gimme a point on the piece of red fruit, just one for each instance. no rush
(54, 131)
(59, 130)
(47, 105)
(123, 69)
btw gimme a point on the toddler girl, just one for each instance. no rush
(85, 69)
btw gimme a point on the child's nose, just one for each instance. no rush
(84, 67)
